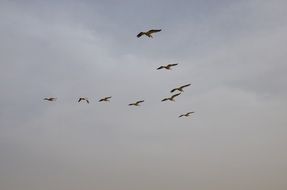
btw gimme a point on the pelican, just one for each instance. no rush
(180, 88)
(171, 98)
(105, 99)
(186, 115)
(148, 33)
(168, 67)
(136, 103)
(50, 99)
(84, 99)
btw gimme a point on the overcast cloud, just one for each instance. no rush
(233, 52)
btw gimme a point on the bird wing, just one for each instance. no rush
(181, 115)
(87, 101)
(132, 104)
(108, 97)
(185, 85)
(165, 99)
(79, 99)
(171, 65)
(140, 34)
(190, 113)
(174, 96)
(153, 31)
(161, 67)
(139, 101)
(173, 90)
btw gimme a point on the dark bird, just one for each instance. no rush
(105, 99)
(171, 98)
(136, 103)
(180, 88)
(168, 67)
(148, 33)
(50, 99)
(84, 99)
(186, 115)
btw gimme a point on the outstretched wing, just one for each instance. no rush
(190, 113)
(161, 67)
(173, 90)
(185, 85)
(175, 95)
(138, 102)
(153, 31)
(171, 65)
(181, 115)
(132, 104)
(87, 101)
(165, 99)
(79, 99)
(140, 34)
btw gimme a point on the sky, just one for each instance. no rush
(233, 52)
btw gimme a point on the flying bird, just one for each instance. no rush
(136, 103)
(171, 98)
(105, 99)
(148, 33)
(50, 99)
(168, 67)
(180, 88)
(84, 99)
(186, 115)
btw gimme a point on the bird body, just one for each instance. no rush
(180, 88)
(84, 99)
(168, 67)
(50, 99)
(186, 114)
(148, 33)
(136, 103)
(171, 98)
(105, 99)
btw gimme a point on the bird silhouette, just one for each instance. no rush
(84, 99)
(105, 99)
(186, 114)
(168, 67)
(136, 103)
(148, 33)
(50, 99)
(171, 98)
(180, 88)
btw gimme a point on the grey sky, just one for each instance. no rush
(233, 52)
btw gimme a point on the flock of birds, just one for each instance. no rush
(137, 103)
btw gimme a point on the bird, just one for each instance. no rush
(50, 99)
(136, 103)
(168, 67)
(86, 99)
(148, 33)
(180, 88)
(186, 115)
(105, 99)
(171, 98)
